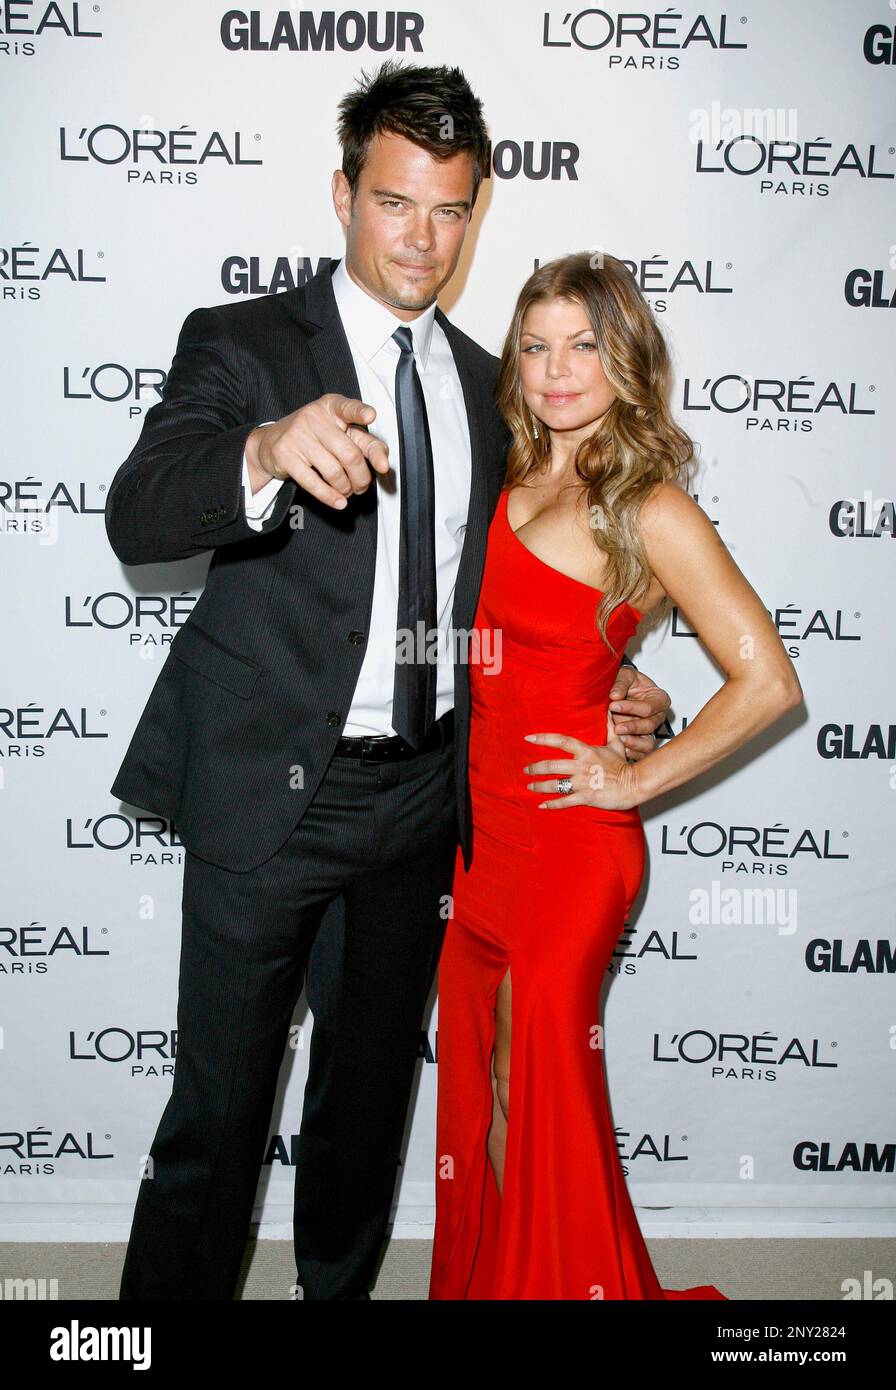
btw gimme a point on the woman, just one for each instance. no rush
(592, 532)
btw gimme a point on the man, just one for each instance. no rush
(339, 449)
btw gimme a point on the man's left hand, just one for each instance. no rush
(637, 709)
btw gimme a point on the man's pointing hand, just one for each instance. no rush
(324, 447)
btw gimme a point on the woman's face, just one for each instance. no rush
(562, 378)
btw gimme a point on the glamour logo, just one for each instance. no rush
(323, 31)
(879, 46)
(25, 17)
(426, 1052)
(112, 610)
(773, 405)
(29, 1152)
(640, 40)
(26, 267)
(151, 840)
(807, 161)
(868, 519)
(22, 947)
(112, 144)
(113, 382)
(844, 741)
(545, 159)
(863, 956)
(814, 1156)
(282, 1149)
(243, 274)
(666, 730)
(701, 1045)
(118, 1045)
(864, 289)
(745, 848)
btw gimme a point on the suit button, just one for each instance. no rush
(333, 718)
(356, 637)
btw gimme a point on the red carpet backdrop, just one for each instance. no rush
(162, 156)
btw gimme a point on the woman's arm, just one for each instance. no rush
(697, 572)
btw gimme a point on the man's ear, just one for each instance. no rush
(342, 197)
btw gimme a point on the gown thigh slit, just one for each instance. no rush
(546, 898)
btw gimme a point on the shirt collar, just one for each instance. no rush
(371, 324)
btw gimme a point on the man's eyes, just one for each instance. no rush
(452, 213)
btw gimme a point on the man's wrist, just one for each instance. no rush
(259, 477)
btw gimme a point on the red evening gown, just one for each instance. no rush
(546, 896)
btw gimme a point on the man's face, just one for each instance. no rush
(406, 223)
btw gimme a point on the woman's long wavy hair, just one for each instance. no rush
(635, 445)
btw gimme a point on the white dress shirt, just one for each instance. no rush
(369, 326)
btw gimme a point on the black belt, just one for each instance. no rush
(390, 748)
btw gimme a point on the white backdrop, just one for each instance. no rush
(742, 161)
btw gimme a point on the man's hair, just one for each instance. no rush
(434, 107)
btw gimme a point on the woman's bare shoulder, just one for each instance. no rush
(670, 517)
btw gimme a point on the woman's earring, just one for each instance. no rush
(534, 426)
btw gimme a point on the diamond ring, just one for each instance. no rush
(564, 784)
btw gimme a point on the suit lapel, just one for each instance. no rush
(472, 557)
(332, 356)
(329, 346)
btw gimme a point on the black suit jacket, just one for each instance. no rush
(247, 709)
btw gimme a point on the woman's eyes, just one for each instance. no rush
(536, 347)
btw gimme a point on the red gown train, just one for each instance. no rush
(546, 896)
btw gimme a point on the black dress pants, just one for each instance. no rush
(380, 840)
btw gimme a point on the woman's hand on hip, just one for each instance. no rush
(600, 775)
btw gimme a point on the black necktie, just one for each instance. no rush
(414, 693)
